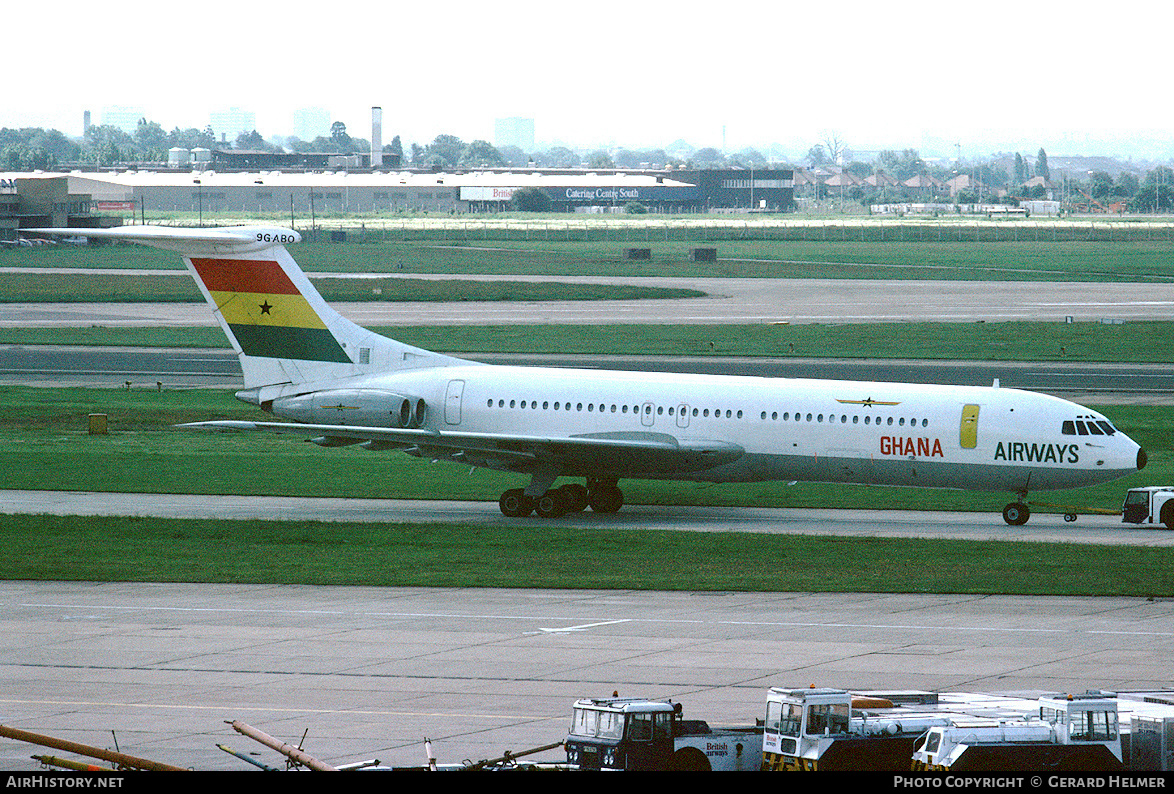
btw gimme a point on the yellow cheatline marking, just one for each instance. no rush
(869, 401)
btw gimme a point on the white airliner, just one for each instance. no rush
(341, 384)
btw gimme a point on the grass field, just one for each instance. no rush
(445, 555)
(1062, 260)
(1010, 341)
(51, 287)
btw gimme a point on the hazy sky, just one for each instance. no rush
(988, 76)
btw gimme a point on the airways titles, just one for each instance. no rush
(1037, 453)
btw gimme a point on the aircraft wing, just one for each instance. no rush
(635, 452)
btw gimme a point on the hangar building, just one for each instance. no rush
(302, 193)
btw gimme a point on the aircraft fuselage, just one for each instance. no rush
(786, 429)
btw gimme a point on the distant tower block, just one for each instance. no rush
(376, 137)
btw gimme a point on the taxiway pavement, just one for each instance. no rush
(1043, 527)
(370, 672)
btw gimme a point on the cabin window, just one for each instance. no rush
(1093, 726)
(1108, 428)
(1094, 430)
(1081, 429)
(1068, 428)
(830, 719)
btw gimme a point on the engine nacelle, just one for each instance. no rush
(353, 408)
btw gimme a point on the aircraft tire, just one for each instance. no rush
(607, 499)
(551, 504)
(576, 496)
(1016, 514)
(515, 504)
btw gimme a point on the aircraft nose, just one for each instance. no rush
(1142, 458)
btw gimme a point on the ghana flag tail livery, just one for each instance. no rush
(283, 331)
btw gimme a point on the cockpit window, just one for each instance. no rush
(1096, 427)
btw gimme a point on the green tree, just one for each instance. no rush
(817, 155)
(1100, 185)
(107, 145)
(558, 157)
(902, 165)
(1041, 164)
(530, 199)
(1127, 185)
(600, 159)
(150, 141)
(707, 157)
(445, 150)
(253, 141)
(481, 154)
(1020, 170)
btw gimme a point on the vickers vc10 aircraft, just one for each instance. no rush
(340, 384)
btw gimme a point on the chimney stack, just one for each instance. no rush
(376, 137)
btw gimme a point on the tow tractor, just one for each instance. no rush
(637, 734)
(822, 729)
(1153, 504)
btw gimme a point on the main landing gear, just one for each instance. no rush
(602, 496)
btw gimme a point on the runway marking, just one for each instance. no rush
(273, 710)
(580, 628)
(669, 621)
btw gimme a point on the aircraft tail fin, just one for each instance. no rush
(282, 329)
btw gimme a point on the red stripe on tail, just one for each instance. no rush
(244, 275)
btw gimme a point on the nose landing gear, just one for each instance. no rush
(1016, 514)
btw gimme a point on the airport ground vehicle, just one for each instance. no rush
(1073, 733)
(836, 730)
(1153, 504)
(636, 734)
